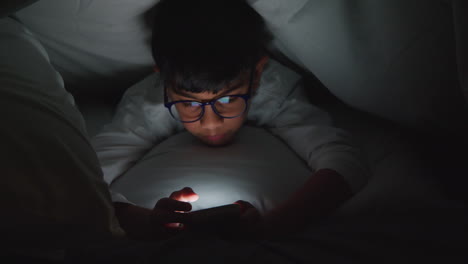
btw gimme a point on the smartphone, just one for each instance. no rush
(217, 216)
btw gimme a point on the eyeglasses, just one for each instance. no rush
(226, 106)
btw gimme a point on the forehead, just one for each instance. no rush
(238, 86)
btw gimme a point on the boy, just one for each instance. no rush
(213, 76)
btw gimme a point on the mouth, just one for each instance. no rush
(215, 138)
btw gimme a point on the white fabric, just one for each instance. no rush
(394, 59)
(52, 185)
(92, 43)
(36, 80)
(280, 12)
(280, 105)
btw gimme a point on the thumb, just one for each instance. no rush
(185, 195)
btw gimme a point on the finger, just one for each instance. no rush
(185, 195)
(185, 190)
(169, 204)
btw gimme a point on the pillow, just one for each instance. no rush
(53, 194)
(257, 167)
(394, 59)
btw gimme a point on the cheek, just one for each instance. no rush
(232, 126)
(192, 127)
(236, 123)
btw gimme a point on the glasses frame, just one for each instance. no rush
(246, 97)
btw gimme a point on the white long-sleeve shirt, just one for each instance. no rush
(280, 105)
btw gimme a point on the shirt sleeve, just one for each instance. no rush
(140, 122)
(287, 113)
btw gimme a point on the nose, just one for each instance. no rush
(210, 120)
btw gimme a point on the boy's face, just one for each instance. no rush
(212, 129)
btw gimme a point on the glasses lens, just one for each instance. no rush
(230, 106)
(227, 107)
(187, 111)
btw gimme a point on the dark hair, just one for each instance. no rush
(201, 45)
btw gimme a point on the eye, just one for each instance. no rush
(191, 104)
(227, 99)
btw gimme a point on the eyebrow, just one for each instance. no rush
(185, 94)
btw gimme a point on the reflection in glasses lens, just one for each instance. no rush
(229, 106)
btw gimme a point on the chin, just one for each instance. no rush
(221, 143)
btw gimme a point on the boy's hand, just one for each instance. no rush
(169, 212)
(185, 195)
(251, 221)
(159, 222)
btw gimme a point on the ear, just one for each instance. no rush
(259, 70)
(261, 65)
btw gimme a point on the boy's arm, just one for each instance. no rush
(309, 132)
(339, 171)
(324, 192)
(140, 122)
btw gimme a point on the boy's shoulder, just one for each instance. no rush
(277, 84)
(277, 81)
